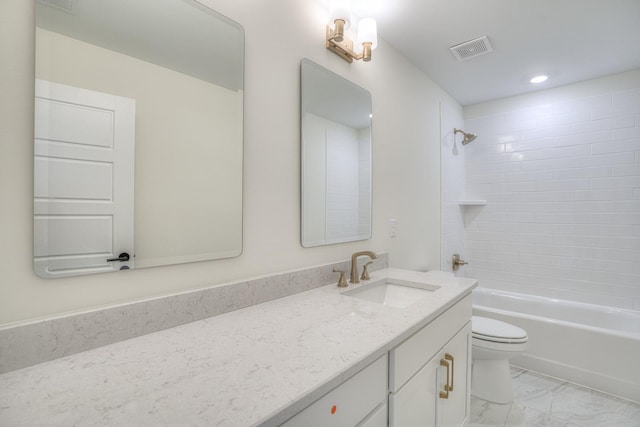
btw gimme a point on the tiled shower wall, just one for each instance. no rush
(562, 185)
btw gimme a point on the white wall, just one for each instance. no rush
(560, 171)
(279, 33)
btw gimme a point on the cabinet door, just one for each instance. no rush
(415, 403)
(454, 409)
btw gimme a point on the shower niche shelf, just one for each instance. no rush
(470, 209)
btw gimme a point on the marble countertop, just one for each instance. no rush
(255, 366)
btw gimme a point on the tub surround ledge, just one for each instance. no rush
(258, 365)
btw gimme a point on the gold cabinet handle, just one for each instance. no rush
(445, 394)
(453, 365)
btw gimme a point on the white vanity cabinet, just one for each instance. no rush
(429, 373)
(361, 400)
(424, 381)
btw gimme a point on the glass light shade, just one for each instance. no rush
(340, 9)
(367, 32)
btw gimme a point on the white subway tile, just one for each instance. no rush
(616, 218)
(528, 176)
(627, 133)
(597, 206)
(585, 138)
(529, 227)
(534, 238)
(607, 112)
(508, 137)
(626, 170)
(528, 113)
(593, 230)
(535, 144)
(623, 122)
(520, 217)
(502, 197)
(487, 245)
(627, 121)
(520, 186)
(579, 161)
(629, 99)
(571, 151)
(568, 117)
(531, 207)
(566, 218)
(617, 146)
(566, 184)
(547, 132)
(485, 235)
(597, 241)
(485, 168)
(493, 178)
(493, 227)
(616, 182)
(567, 209)
(583, 103)
(588, 172)
(565, 196)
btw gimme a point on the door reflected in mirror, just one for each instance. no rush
(336, 158)
(138, 135)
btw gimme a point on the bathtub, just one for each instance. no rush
(587, 344)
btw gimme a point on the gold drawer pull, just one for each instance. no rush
(453, 365)
(445, 394)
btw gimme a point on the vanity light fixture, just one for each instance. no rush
(339, 21)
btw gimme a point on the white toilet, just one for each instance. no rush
(494, 343)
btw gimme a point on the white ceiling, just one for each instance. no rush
(570, 40)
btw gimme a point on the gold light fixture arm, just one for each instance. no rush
(343, 47)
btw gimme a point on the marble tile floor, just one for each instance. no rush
(543, 401)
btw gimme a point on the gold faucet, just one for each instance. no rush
(353, 278)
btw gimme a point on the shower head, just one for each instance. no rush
(468, 137)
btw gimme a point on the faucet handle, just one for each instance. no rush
(456, 262)
(365, 272)
(342, 282)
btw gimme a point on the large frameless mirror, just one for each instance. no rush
(138, 135)
(336, 158)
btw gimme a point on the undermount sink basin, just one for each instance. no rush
(392, 292)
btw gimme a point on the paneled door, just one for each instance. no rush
(83, 181)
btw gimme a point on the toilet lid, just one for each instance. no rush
(495, 330)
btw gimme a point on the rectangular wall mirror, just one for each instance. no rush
(138, 135)
(336, 158)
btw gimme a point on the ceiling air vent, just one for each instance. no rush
(69, 6)
(471, 48)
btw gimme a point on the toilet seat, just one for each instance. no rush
(492, 330)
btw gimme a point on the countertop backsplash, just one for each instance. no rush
(30, 343)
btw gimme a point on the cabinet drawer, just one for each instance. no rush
(378, 418)
(350, 402)
(407, 358)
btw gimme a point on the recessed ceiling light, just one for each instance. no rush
(539, 79)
